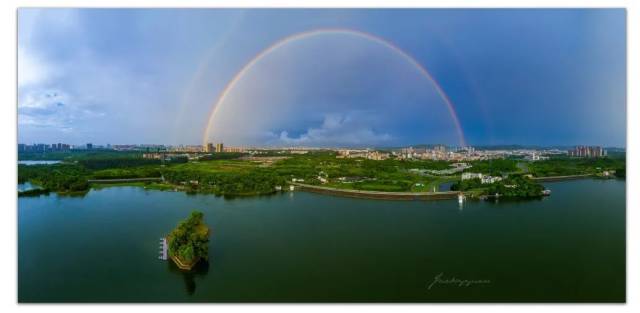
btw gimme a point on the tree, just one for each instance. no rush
(189, 241)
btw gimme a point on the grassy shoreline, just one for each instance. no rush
(256, 176)
(378, 195)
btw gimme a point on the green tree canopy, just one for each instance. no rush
(189, 241)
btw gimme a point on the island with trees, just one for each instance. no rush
(189, 241)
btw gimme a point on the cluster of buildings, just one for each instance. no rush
(41, 147)
(484, 179)
(439, 152)
(146, 147)
(535, 156)
(362, 153)
(169, 156)
(460, 154)
(436, 153)
(185, 148)
(454, 168)
(457, 154)
(587, 152)
(443, 153)
(208, 148)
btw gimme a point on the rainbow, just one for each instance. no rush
(201, 69)
(298, 36)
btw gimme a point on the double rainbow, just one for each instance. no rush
(303, 35)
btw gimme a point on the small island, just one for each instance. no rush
(189, 241)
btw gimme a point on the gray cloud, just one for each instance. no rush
(52, 108)
(335, 129)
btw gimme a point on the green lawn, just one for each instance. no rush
(218, 166)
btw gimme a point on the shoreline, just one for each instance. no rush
(379, 195)
(362, 194)
(561, 178)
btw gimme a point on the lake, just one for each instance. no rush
(26, 186)
(304, 247)
(37, 162)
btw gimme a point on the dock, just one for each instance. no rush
(163, 249)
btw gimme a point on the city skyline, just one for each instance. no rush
(218, 147)
(543, 77)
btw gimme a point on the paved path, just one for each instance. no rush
(125, 180)
(379, 194)
(559, 178)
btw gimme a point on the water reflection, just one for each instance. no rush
(189, 277)
(26, 186)
(37, 162)
(74, 194)
(130, 221)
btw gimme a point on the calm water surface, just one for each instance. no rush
(26, 186)
(37, 162)
(307, 247)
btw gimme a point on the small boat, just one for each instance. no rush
(546, 192)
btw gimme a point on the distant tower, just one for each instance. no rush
(219, 147)
(208, 147)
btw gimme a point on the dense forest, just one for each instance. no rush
(514, 186)
(189, 240)
(495, 167)
(55, 177)
(562, 166)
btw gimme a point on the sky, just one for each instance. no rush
(322, 77)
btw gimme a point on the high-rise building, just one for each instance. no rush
(41, 147)
(587, 152)
(89, 146)
(208, 147)
(59, 147)
(219, 147)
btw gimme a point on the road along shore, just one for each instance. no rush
(560, 178)
(382, 195)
